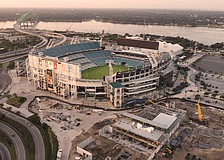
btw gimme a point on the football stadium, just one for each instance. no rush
(130, 69)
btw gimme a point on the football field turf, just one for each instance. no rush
(99, 72)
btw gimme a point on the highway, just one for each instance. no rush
(41, 44)
(63, 39)
(4, 152)
(12, 58)
(38, 140)
(43, 37)
(8, 55)
(20, 150)
(13, 55)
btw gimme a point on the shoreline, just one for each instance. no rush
(125, 23)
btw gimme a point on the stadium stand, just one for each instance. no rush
(129, 62)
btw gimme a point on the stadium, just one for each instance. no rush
(129, 70)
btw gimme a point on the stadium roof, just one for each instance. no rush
(65, 50)
(116, 85)
(138, 43)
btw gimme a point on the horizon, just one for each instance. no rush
(125, 4)
(172, 9)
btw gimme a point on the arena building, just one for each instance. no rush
(86, 70)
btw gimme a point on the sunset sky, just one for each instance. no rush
(170, 4)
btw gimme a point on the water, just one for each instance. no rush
(201, 34)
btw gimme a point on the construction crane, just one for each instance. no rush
(200, 115)
(151, 101)
(68, 30)
(169, 150)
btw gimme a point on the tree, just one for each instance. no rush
(18, 112)
(35, 119)
(15, 95)
(2, 116)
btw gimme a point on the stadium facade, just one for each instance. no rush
(59, 70)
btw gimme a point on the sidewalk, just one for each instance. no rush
(23, 112)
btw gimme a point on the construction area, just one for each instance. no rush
(133, 135)
(166, 130)
(199, 137)
(90, 145)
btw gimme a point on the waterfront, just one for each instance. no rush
(204, 35)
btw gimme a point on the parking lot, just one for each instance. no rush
(210, 64)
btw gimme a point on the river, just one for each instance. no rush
(201, 34)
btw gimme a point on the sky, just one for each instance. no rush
(166, 4)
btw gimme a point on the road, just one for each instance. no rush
(12, 58)
(5, 79)
(4, 152)
(20, 150)
(29, 32)
(45, 34)
(38, 140)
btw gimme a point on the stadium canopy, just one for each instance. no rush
(63, 51)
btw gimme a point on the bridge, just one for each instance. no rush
(27, 21)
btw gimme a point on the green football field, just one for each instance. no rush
(99, 72)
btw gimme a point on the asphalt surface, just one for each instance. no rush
(38, 140)
(20, 150)
(12, 58)
(4, 152)
(5, 79)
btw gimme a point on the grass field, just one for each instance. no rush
(99, 72)
(16, 101)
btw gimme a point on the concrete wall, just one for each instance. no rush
(82, 151)
(105, 129)
(154, 153)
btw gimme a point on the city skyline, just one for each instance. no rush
(159, 4)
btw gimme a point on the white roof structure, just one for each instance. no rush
(164, 119)
(125, 125)
(166, 47)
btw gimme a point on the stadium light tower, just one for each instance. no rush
(195, 48)
(110, 69)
